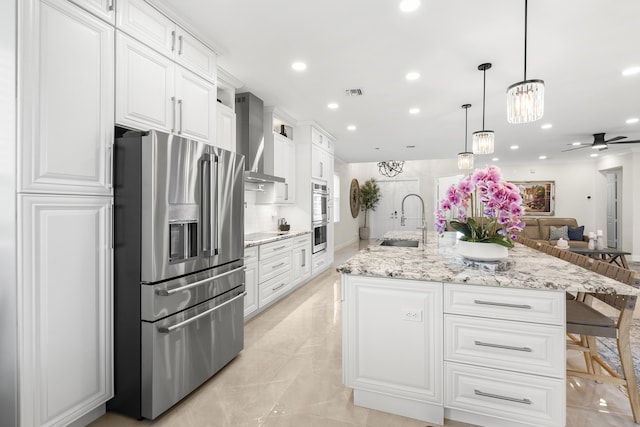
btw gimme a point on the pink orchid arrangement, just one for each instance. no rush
(489, 209)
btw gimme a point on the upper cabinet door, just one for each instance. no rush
(195, 56)
(104, 9)
(67, 100)
(146, 24)
(144, 87)
(225, 127)
(196, 106)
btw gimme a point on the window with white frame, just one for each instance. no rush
(336, 197)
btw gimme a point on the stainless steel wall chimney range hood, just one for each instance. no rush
(250, 137)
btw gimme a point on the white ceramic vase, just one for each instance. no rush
(478, 251)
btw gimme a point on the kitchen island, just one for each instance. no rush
(430, 336)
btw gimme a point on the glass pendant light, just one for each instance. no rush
(483, 139)
(465, 159)
(525, 99)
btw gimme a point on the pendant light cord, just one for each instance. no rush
(525, 40)
(466, 114)
(484, 91)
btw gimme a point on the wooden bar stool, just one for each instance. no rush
(589, 323)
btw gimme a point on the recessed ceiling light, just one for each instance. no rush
(409, 5)
(412, 76)
(594, 155)
(576, 143)
(495, 159)
(414, 111)
(546, 126)
(542, 157)
(351, 127)
(332, 106)
(514, 147)
(632, 120)
(631, 71)
(299, 66)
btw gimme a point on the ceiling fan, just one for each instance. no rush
(600, 143)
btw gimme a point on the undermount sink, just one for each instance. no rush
(402, 243)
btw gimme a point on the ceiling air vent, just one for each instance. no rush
(353, 92)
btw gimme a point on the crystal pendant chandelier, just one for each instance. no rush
(483, 139)
(525, 99)
(465, 159)
(390, 168)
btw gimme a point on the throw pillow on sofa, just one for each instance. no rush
(556, 233)
(576, 233)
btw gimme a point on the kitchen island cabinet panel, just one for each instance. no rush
(66, 270)
(392, 342)
(67, 95)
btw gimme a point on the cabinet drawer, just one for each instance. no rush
(301, 241)
(272, 289)
(513, 397)
(274, 248)
(250, 254)
(505, 303)
(524, 347)
(274, 266)
(319, 263)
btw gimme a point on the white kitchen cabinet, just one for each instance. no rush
(104, 9)
(67, 100)
(66, 307)
(251, 280)
(285, 167)
(392, 344)
(225, 127)
(148, 25)
(153, 92)
(301, 259)
(196, 105)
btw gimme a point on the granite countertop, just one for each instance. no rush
(255, 239)
(438, 261)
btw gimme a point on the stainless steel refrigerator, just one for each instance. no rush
(179, 271)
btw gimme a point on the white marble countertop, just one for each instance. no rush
(255, 239)
(438, 261)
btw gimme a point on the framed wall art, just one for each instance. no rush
(538, 197)
(354, 198)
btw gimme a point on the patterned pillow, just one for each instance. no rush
(556, 233)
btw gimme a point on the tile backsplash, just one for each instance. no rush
(259, 218)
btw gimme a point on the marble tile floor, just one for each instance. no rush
(290, 374)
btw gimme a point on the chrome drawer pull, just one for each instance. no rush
(497, 396)
(167, 292)
(278, 265)
(167, 329)
(278, 248)
(506, 347)
(502, 304)
(278, 287)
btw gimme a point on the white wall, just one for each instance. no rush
(574, 182)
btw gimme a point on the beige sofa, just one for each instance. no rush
(538, 229)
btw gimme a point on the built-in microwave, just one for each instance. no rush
(319, 202)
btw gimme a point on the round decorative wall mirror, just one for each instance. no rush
(354, 198)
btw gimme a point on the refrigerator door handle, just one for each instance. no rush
(168, 292)
(215, 185)
(206, 202)
(168, 329)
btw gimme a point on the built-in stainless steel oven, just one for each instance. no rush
(320, 202)
(319, 237)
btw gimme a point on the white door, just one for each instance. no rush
(144, 87)
(387, 215)
(196, 106)
(613, 208)
(67, 101)
(66, 286)
(225, 128)
(104, 9)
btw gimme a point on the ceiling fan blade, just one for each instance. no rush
(615, 138)
(576, 148)
(626, 142)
